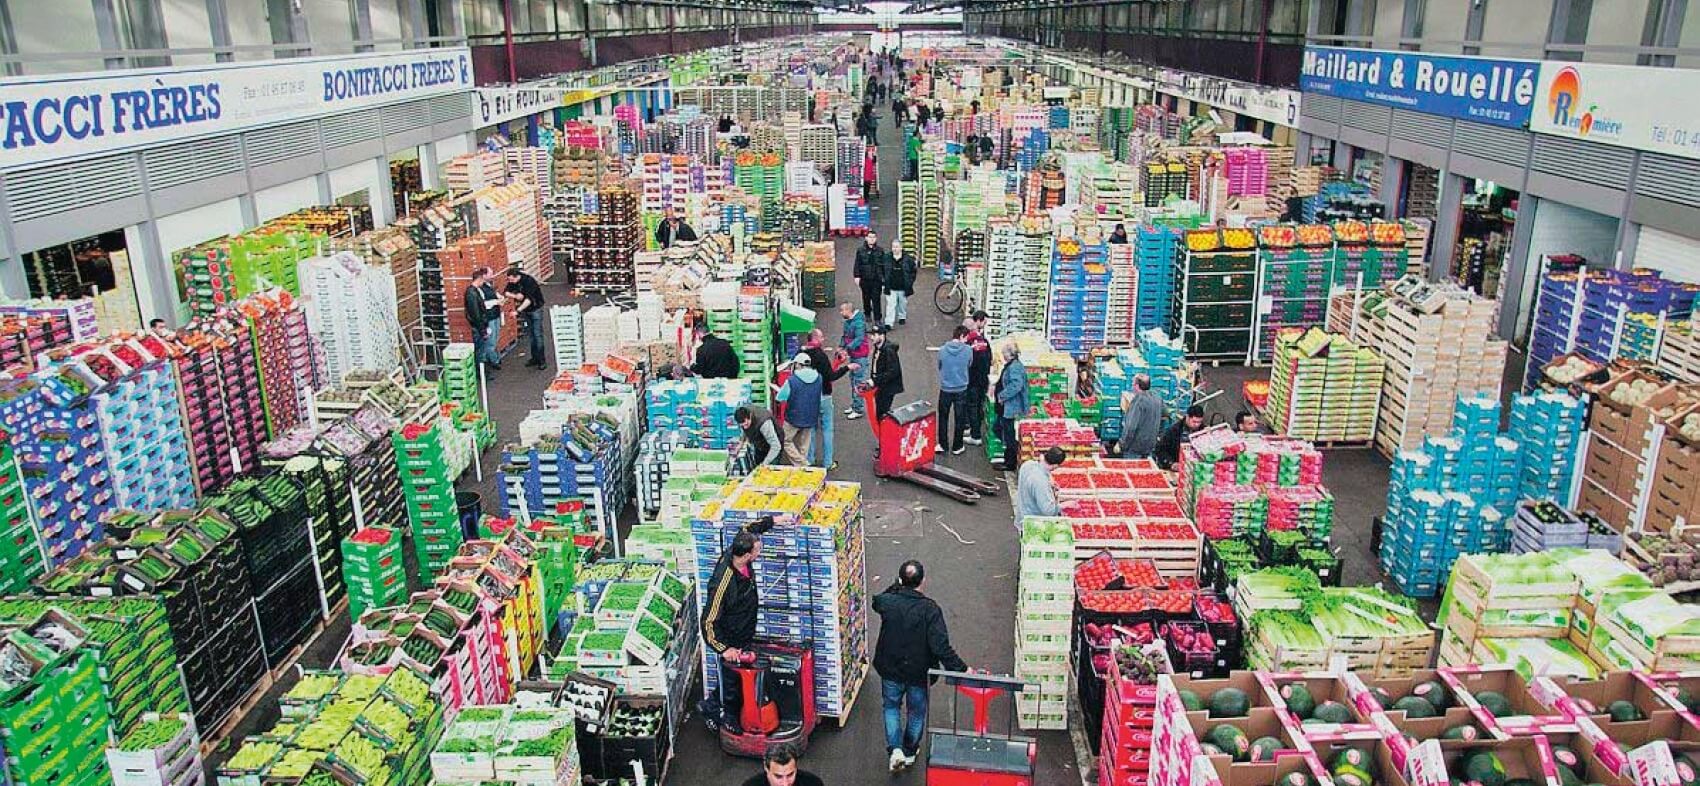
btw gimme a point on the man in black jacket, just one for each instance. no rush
(900, 270)
(869, 273)
(887, 370)
(1168, 450)
(913, 640)
(979, 377)
(815, 348)
(716, 359)
(483, 310)
(729, 622)
(673, 230)
(527, 296)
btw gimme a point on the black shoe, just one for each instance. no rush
(902, 321)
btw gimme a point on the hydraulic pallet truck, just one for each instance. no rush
(907, 437)
(776, 689)
(977, 756)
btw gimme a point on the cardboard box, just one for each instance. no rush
(1534, 704)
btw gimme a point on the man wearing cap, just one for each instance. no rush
(887, 370)
(801, 395)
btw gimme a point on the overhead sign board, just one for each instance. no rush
(1480, 89)
(1626, 106)
(61, 117)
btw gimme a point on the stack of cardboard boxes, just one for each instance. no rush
(1637, 473)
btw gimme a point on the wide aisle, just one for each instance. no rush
(969, 550)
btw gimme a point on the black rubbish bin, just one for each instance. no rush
(469, 506)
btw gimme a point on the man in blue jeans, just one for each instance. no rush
(913, 641)
(527, 296)
(483, 314)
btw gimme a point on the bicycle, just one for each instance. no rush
(949, 297)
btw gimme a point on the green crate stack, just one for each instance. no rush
(56, 724)
(557, 565)
(20, 545)
(430, 495)
(332, 515)
(208, 277)
(753, 340)
(131, 644)
(374, 570)
(263, 260)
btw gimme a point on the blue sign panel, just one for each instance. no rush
(1484, 90)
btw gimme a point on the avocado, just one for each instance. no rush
(1264, 748)
(1415, 707)
(1622, 711)
(1686, 770)
(1495, 703)
(1298, 699)
(1484, 768)
(1296, 779)
(1229, 703)
(1434, 692)
(1566, 756)
(1465, 732)
(1332, 712)
(1231, 740)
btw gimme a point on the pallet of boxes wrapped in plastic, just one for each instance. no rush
(812, 571)
(1044, 621)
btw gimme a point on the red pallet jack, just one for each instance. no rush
(776, 683)
(907, 437)
(977, 756)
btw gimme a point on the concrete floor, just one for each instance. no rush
(970, 550)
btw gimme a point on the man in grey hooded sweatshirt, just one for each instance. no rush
(954, 359)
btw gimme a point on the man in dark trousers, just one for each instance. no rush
(729, 619)
(899, 110)
(898, 275)
(483, 311)
(716, 359)
(887, 370)
(979, 378)
(913, 640)
(869, 273)
(673, 230)
(779, 768)
(527, 296)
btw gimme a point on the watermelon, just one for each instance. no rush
(1229, 703)
(1622, 711)
(1264, 748)
(1494, 702)
(1566, 756)
(1299, 778)
(1567, 776)
(1484, 768)
(1685, 697)
(1519, 782)
(1415, 707)
(1435, 693)
(1298, 699)
(1353, 757)
(1332, 712)
(1465, 732)
(1686, 770)
(1382, 697)
(1352, 776)
(1231, 741)
(1190, 701)
(1210, 749)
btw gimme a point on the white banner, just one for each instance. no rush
(53, 118)
(492, 105)
(1625, 106)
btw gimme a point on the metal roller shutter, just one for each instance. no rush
(1678, 256)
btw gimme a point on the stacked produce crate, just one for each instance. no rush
(374, 570)
(472, 171)
(162, 751)
(1044, 618)
(1215, 292)
(605, 241)
(1581, 310)
(336, 728)
(1239, 486)
(1368, 254)
(529, 746)
(1439, 344)
(351, 309)
(576, 457)
(392, 249)
(55, 720)
(130, 643)
(1297, 263)
(516, 212)
(1455, 496)
(1018, 275)
(272, 521)
(1548, 428)
(428, 486)
(21, 556)
(223, 271)
(1077, 319)
(819, 525)
(1633, 473)
(1122, 320)
(1154, 253)
(638, 632)
(1324, 388)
